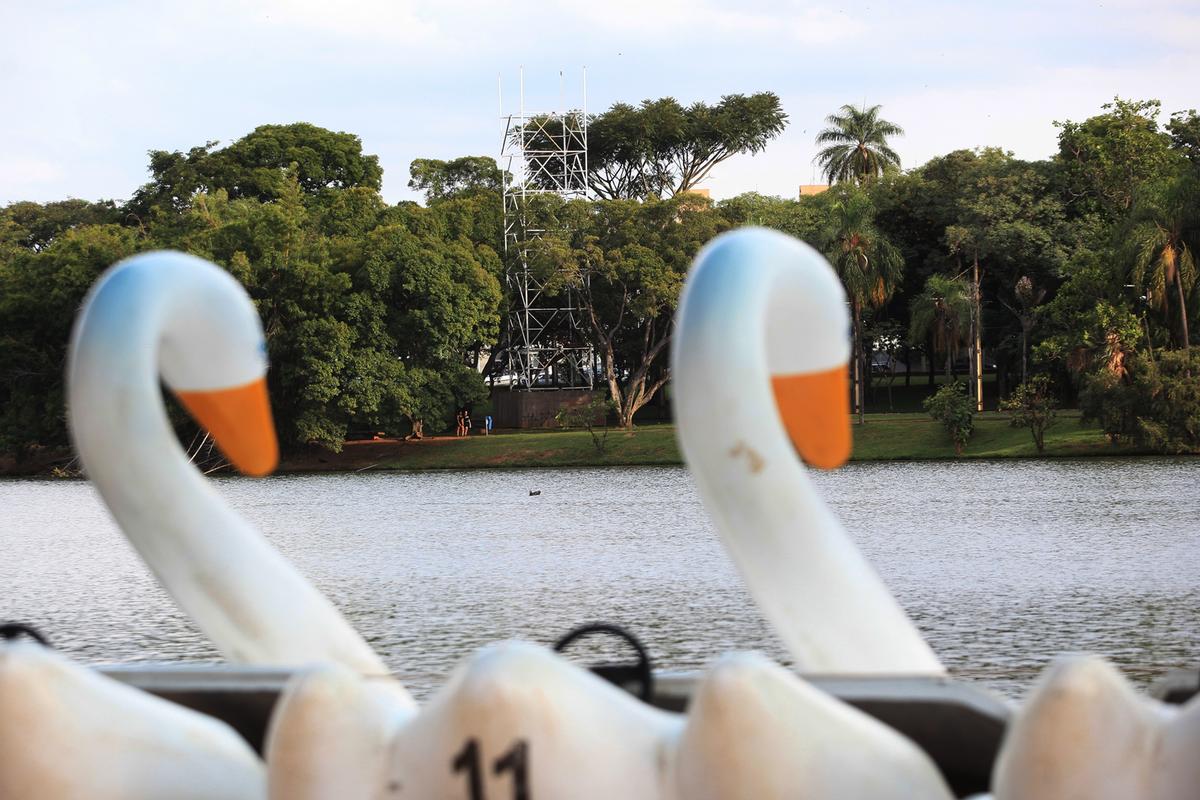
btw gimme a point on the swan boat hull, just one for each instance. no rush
(958, 724)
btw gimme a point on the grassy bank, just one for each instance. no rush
(892, 437)
(884, 437)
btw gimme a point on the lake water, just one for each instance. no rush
(1001, 564)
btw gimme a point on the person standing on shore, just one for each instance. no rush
(466, 423)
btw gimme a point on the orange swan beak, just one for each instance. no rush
(239, 419)
(815, 407)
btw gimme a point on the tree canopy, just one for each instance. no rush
(660, 148)
(627, 261)
(459, 177)
(259, 166)
(378, 316)
(868, 265)
(370, 311)
(856, 145)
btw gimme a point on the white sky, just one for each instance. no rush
(87, 88)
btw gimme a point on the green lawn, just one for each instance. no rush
(915, 436)
(884, 437)
(652, 444)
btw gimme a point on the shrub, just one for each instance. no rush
(951, 406)
(1109, 400)
(1156, 404)
(588, 415)
(1032, 406)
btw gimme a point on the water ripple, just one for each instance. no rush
(1002, 564)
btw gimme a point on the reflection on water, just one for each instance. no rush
(1002, 564)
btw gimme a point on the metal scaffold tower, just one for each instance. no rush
(543, 153)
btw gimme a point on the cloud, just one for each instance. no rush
(399, 22)
(675, 21)
(823, 26)
(88, 89)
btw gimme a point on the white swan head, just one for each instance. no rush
(190, 323)
(762, 341)
(759, 360)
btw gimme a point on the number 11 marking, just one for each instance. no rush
(516, 761)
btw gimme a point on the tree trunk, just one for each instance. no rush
(856, 359)
(634, 399)
(862, 386)
(1187, 369)
(977, 343)
(972, 378)
(638, 395)
(620, 399)
(929, 357)
(1024, 352)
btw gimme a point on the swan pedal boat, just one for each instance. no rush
(845, 632)
(957, 723)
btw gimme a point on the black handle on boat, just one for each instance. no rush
(14, 630)
(619, 674)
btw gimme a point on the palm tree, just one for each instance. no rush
(1026, 311)
(869, 266)
(858, 148)
(1163, 261)
(943, 309)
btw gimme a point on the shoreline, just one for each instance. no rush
(884, 437)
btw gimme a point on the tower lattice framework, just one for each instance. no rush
(543, 153)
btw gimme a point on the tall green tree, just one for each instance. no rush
(857, 146)
(369, 313)
(869, 266)
(40, 292)
(259, 166)
(626, 261)
(1026, 310)
(1184, 128)
(982, 211)
(1106, 158)
(1164, 231)
(943, 309)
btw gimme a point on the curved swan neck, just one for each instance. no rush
(247, 598)
(118, 422)
(756, 301)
